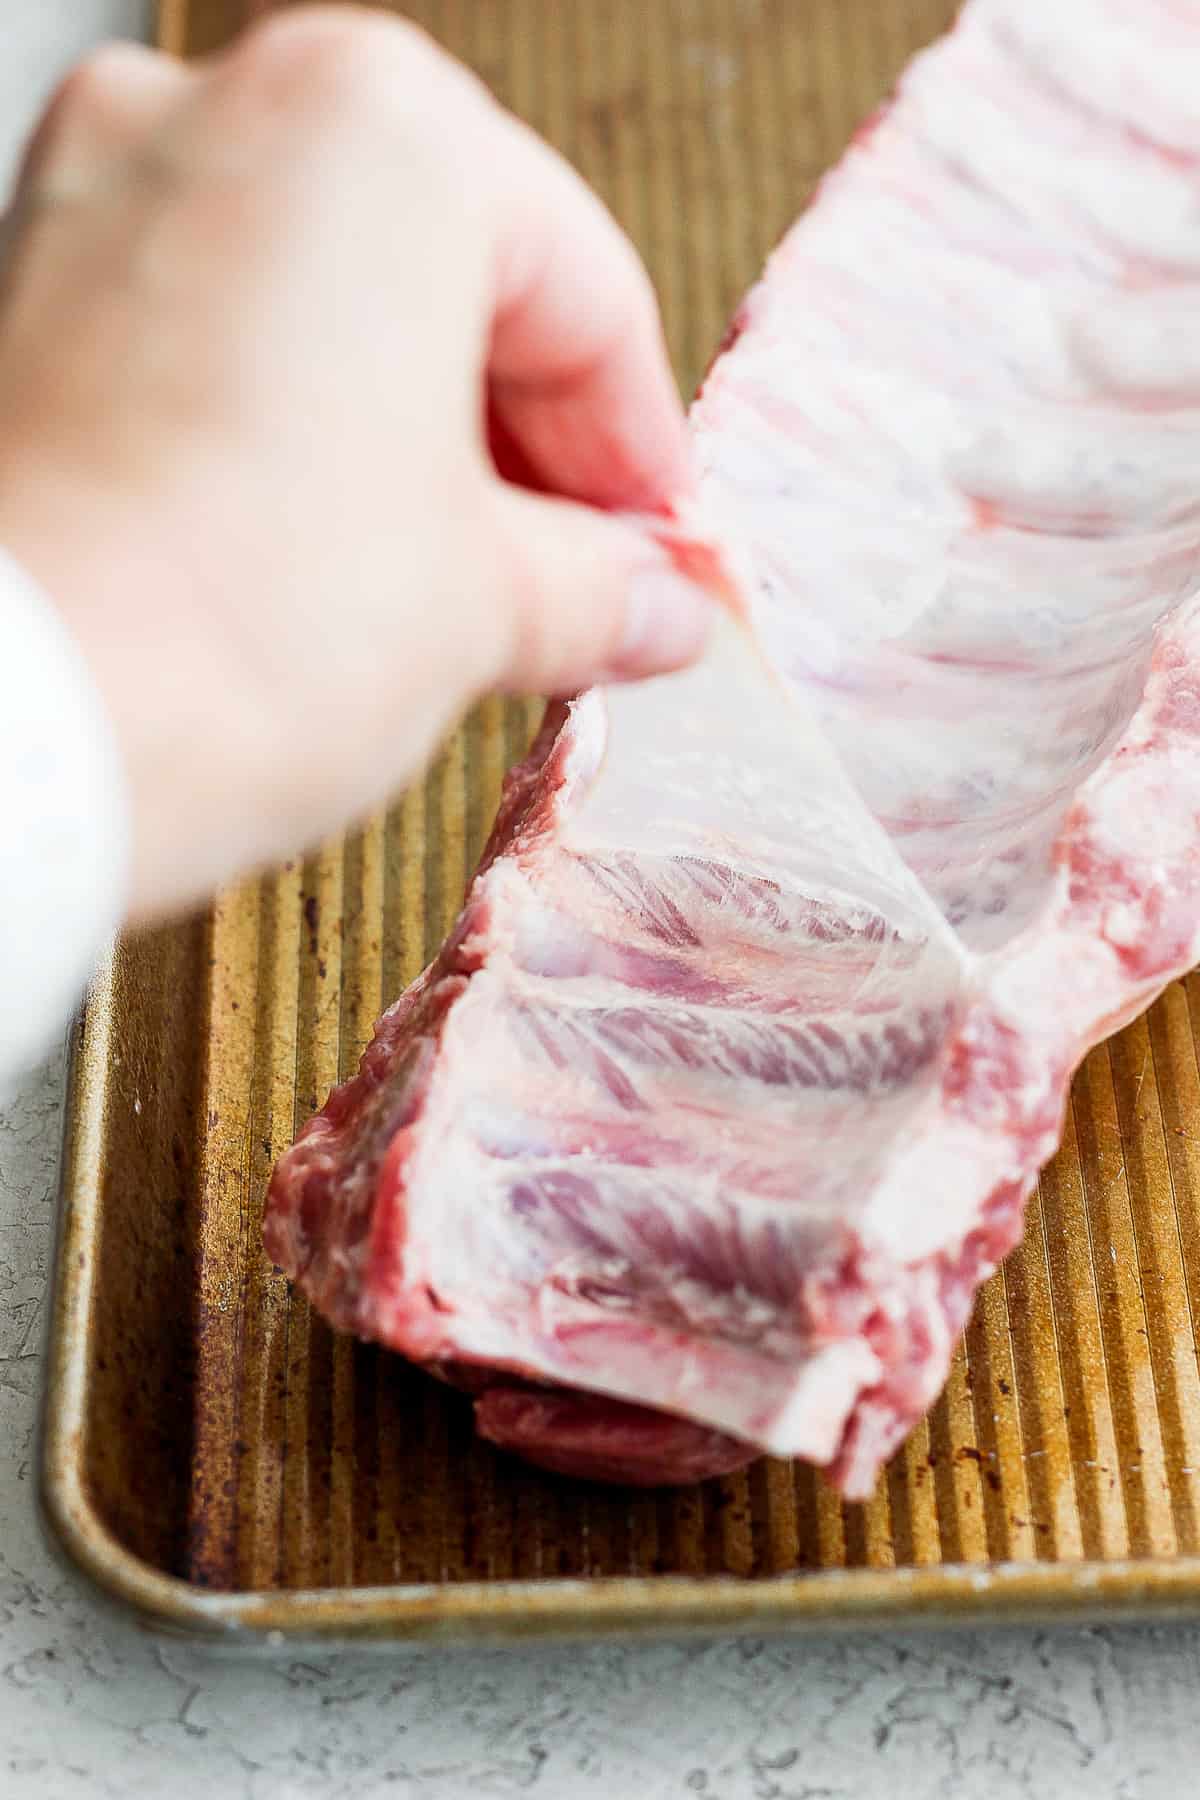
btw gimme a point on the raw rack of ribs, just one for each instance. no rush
(728, 1089)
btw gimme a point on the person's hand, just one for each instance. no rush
(260, 321)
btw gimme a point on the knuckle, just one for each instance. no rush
(340, 61)
(304, 54)
(85, 108)
(99, 79)
(88, 88)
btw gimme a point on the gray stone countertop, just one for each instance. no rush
(90, 1707)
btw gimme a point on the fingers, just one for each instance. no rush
(574, 362)
(591, 598)
(578, 370)
(345, 79)
(105, 107)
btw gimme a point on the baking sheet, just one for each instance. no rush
(216, 1457)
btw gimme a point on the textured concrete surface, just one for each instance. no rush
(89, 1708)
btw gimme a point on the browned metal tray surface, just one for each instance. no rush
(216, 1457)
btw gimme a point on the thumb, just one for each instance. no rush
(596, 596)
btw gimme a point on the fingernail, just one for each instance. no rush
(667, 623)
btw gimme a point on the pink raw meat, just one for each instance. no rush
(729, 1087)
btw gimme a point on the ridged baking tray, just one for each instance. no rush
(216, 1458)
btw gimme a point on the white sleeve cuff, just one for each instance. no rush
(64, 829)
